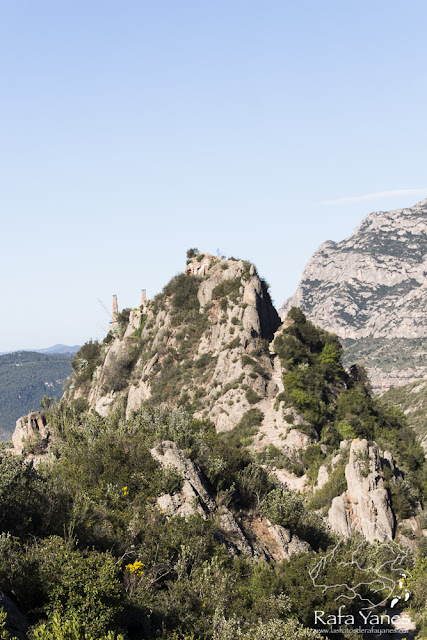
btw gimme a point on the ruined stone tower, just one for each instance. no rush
(115, 316)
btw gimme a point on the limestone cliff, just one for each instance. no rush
(32, 437)
(371, 290)
(205, 342)
(365, 506)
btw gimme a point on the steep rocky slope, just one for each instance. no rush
(204, 343)
(365, 506)
(371, 290)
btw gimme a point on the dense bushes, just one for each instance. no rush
(312, 360)
(227, 288)
(102, 559)
(85, 362)
(53, 578)
(183, 290)
(287, 508)
(335, 486)
(119, 369)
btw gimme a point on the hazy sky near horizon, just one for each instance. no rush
(132, 131)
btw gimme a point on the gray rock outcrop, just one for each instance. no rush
(30, 429)
(365, 506)
(169, 455)
(271, 541)
(372, 287)
(230, 370)
(288, 544)
(195, 497)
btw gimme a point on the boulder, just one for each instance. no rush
(30, 427)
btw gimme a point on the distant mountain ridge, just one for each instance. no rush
(371, 290)
(57, 348)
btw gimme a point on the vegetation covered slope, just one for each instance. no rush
(25, 377)
(87, 545)
(412, 400)
(86, 540)
(339, 407)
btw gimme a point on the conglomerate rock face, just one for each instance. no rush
(28, 427)
(365, 506)
(372, 287)
(216, 355)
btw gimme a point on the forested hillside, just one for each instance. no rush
(25, 377)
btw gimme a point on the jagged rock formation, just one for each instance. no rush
(208, 342)
(205, 341)
(30, 430)
(194, 489)
(272, 541)
(371, 290)
(365, 506)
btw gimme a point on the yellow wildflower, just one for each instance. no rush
(136, 567)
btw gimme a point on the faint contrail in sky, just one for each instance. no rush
(378, 196)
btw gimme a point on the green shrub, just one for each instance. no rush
(233, 344)
(183, 290)
(138, 332)
(286, 508)
(34, 444)
(252, 418)
(245, 429)
(69, 628)
(79, 406)
(171, 481)
(85, 361)
(78, 584)
(313, 457)
(119, 370)
(192, 253)
(123, 317)
(27, 507)
(252, 397)
(335, 486)
(257, 368)
(402, 498)
(226, 288)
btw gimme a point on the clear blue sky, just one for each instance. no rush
(131, 131)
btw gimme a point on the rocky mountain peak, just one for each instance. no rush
(371, 288)
(203, 343)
